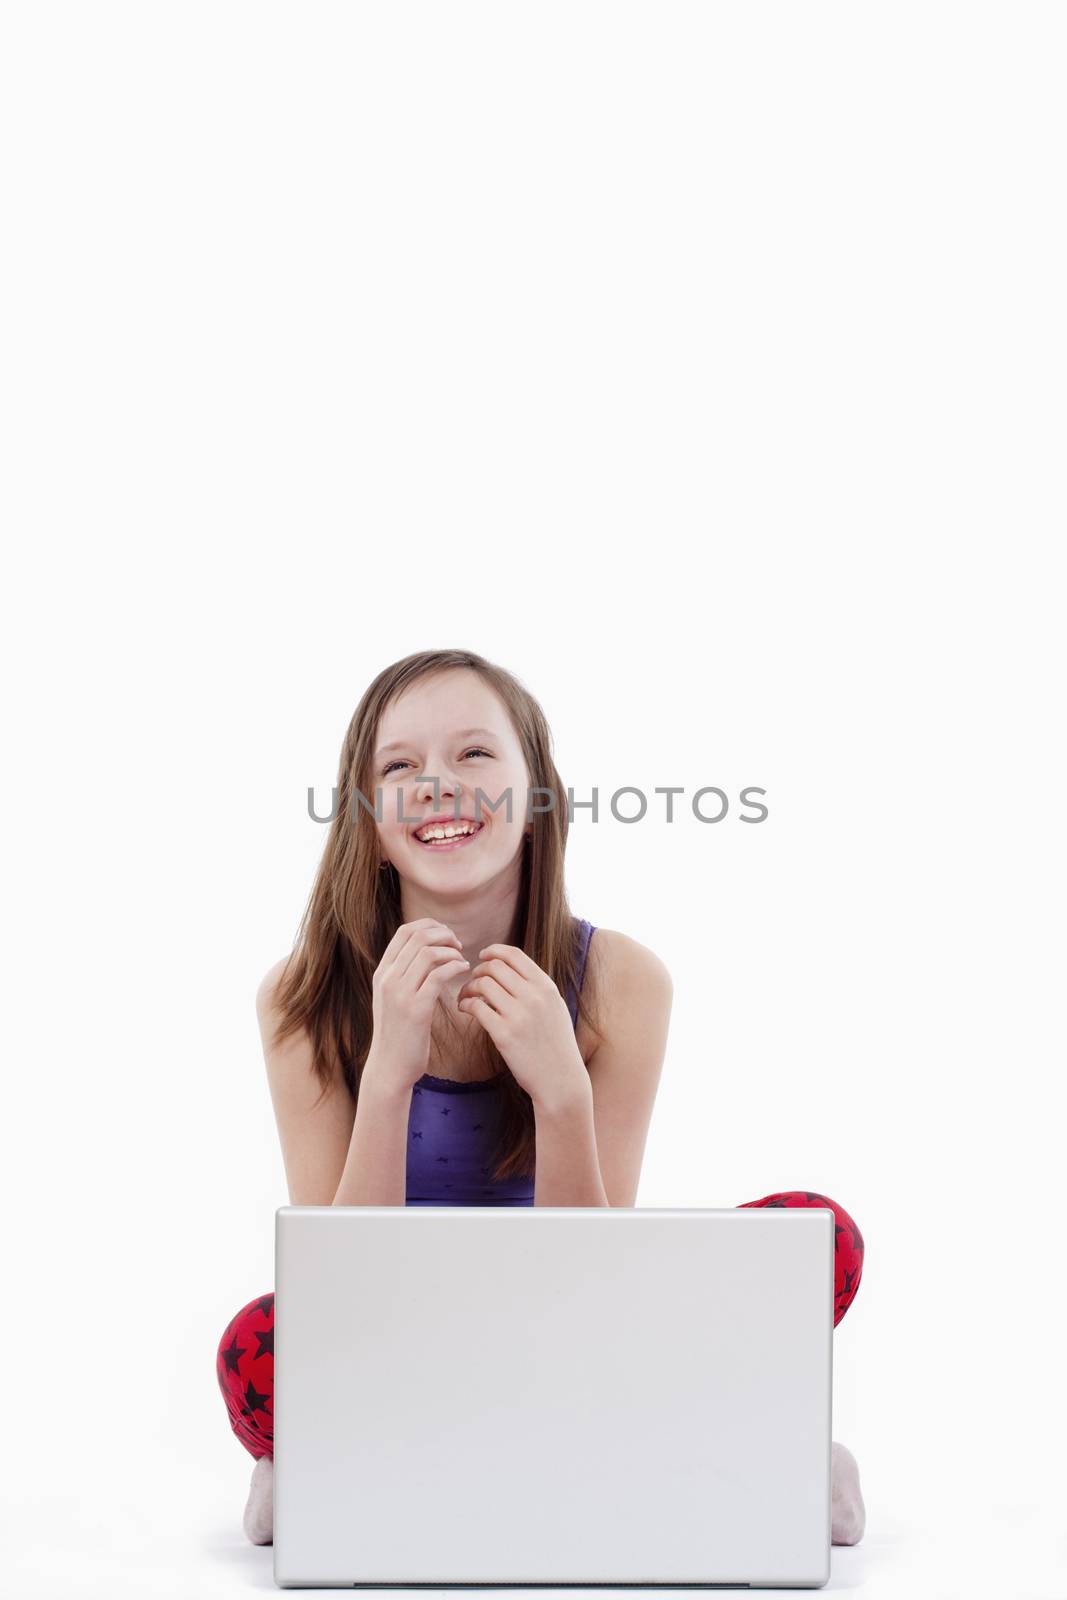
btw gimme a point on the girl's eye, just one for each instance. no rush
(388, 769)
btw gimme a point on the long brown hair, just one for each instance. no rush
(354, 908)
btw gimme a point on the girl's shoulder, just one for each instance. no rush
(617, 964)
(616, 957)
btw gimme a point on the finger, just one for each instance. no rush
(439, 971)
(433, 935)
(407, 930)
(486, 988)
(406, 940)
(502, 972)
(476, 1007)
(429, 958)
(524, 965)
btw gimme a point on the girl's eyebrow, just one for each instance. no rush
(460, 733)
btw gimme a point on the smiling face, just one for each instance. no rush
(455, 728)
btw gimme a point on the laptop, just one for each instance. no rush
(515, 1396)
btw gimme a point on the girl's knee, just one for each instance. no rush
(251, 1328)
(244, 1367)
(846, 1234)
(813, 1197)
(848, 1258)
(848, 1241)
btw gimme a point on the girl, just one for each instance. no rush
(453, 1016)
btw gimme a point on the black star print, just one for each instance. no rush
(416, 1135)
(254, 1401)
(266, 1343)
(809, 1194)
(850, 1278)
(266, 1305)
(232, 1354)
(442, 1158)
(446, 1111)
(418, 1091)
(771, 1203)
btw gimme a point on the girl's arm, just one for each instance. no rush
(333, 1155)
(375, 1171)
(567, 1167)
(626, 1065)
(314, 1130)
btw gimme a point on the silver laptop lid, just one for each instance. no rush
(552, 1395)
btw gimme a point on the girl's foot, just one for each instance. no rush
(259, 1512)
(848, 1516)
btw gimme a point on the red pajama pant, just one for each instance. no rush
(244, 1364)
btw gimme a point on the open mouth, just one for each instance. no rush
(450, 836)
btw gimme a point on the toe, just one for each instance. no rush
(848, 1516)
(258, 1520)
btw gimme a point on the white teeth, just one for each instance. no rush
(446, 831)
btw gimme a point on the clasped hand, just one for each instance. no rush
(523, 1012)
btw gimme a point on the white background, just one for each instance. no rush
(702, 364)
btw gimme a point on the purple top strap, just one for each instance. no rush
(586, 931)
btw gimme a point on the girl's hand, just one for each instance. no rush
(417, 962)
(524, 1014)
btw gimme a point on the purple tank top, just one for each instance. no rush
(453, 1129)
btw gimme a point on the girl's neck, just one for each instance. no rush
(486, 917)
